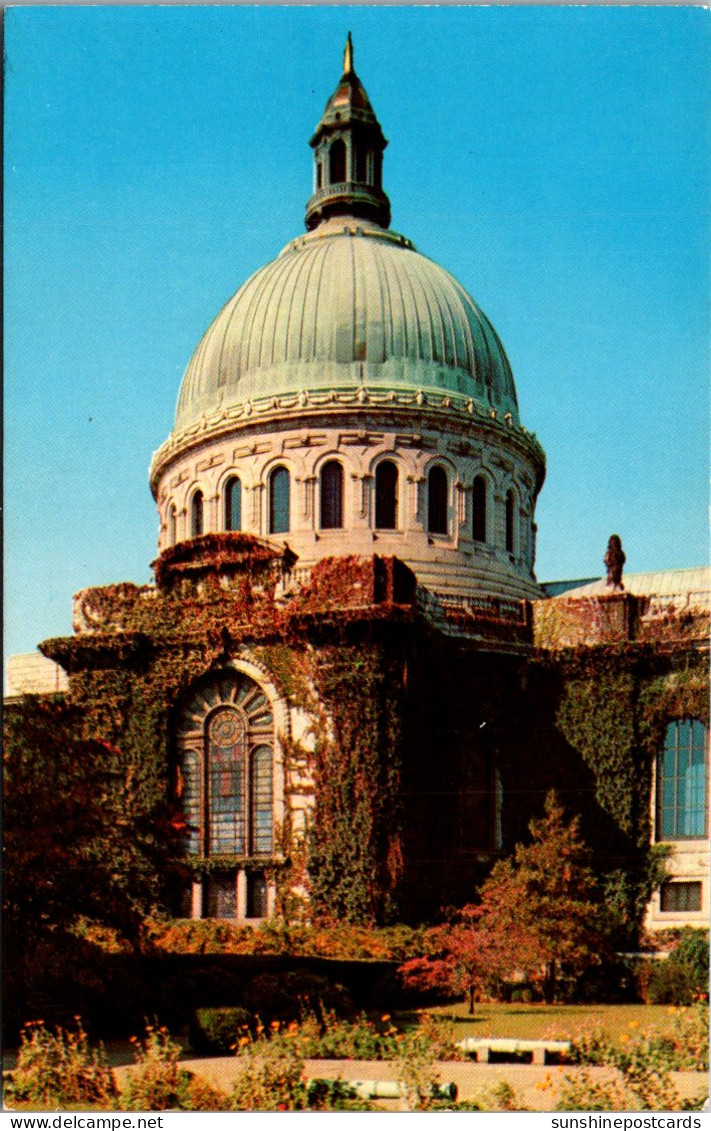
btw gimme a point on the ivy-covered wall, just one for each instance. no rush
(429, 753)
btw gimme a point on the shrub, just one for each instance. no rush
(158, 1083)
(56, 1069)
(216, 1029)
(271, 1079)
(692, 952)
(334, 1095)
(671, 983)
(294, 994)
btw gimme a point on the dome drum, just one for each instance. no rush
(351, 398)
(444, 549)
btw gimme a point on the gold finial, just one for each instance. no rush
(348, 56)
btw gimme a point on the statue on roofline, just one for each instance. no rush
(614, 561)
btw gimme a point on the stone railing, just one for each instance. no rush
(479, 616)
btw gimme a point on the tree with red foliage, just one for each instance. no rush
(539, 915)
(465, 957)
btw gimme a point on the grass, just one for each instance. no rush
(535, 1022)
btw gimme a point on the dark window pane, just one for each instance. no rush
(279, 489)
(386, 496)
(337, 162)
(437, 501)
(233, 504)
(221, 895)
(361, 164)
(510, 521)
(681, 897)
(332, 496)
(196, 515)
(479, 508)
(256, 895)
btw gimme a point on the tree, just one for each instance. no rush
(547, 899)
(465, 957)
(72, 846)
(539, 915)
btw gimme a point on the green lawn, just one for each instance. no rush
(555, 1021)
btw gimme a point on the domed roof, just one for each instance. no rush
(346, 305)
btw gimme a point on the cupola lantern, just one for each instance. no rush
(348, 155)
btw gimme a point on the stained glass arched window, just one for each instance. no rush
(226, 782)
(681, 781)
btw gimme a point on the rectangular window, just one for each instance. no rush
(681, 782)
(681, 896)
(221, 896)
(256, 895)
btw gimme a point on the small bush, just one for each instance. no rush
(671, 983)
(692, 952)
(292, 995)
(157, 1083)
(335, 1095)
(271, 1079)
(56, 1069)
(216, 1030)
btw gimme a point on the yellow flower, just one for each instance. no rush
(624, 1038)
(634, 1025)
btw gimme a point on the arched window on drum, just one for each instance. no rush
(479, 518)
(386, 492)
(332, 495)
(233, 504)
(279, 501)
(197, 511)
(437, 501)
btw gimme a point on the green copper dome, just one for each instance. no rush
(347, 305)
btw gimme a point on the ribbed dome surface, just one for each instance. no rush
(349, 304)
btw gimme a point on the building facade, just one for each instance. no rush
(347, 679)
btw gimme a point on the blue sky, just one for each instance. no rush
(555, 160)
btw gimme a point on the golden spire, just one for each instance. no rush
(348, 56)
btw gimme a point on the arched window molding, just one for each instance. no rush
(279, 501)
(331, 491)
(386, 495)
(197, 515)
(480, 508)
(682, 782)
(437, 500)
(230, 771)
(233, 504)
(172, 524)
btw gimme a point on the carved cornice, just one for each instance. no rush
(443, 410)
